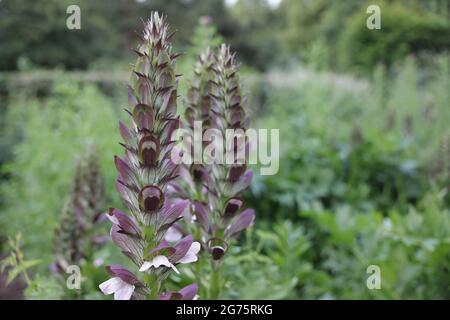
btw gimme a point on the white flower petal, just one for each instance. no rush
(174, 268)
(112, 285)
(191, 255)
(163, 261)
(124, 293)
(160, 261)
(145, 266)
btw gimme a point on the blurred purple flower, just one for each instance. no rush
(187, 293)
(215, 98)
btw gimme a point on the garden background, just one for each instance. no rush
(364, 139)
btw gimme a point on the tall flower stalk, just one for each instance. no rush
(218, 213)
(76, 236)
(144, 174)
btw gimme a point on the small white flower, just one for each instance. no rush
(156, 262)
(121, 289)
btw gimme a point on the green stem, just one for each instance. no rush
(153, 284)
(198, 273)
(216, 283)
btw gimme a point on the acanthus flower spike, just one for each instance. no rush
(217, 212)
(81, 216)
(144, 174)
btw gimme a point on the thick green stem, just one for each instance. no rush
(153, 284)
(216, 283)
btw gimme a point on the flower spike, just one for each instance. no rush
(145, 173)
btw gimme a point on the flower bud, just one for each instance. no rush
(148, 150)
(143, 116)
(189, 114)
(236, 117)
(150, 199)
(198, 172)
(232, 207)
(236, 171)
(217, 247)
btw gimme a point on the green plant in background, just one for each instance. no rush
(55, 131)
(18, 268)
(272, 264)
(411, 250)
(317, 55)
(440, 168)
(379, 162)
(358, 186)
(405, 30)
(15, 263)
(205, 35)
(77, 239)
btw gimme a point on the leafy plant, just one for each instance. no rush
(77, 238)
(16, 263)
(405, 30)
(55, 131)
(411, 250)
(271, 264)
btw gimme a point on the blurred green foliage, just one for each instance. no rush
(407, 26)
(366, 165)
(326, 256)
(370, 145)
(263, 34)
(55, 131)
(404, 30)
(411, 250)
(36, 31)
